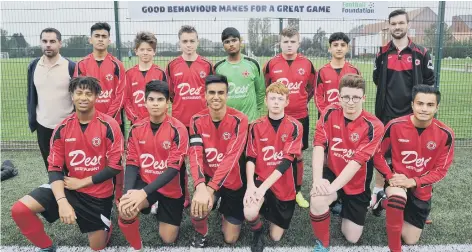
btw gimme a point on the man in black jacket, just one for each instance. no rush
(48, 101)
(399, 66)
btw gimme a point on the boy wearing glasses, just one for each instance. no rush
(347, 137)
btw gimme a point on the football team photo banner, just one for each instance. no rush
(154, 10)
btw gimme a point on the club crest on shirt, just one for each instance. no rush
(284, 138)
(417, 62)
(245, 74)
(431, 145)
(354, 137)
(301, 71)
(226, 136)
(96, 141)
(166, 145)
(202, 74)
(109, 77)
(409, 59)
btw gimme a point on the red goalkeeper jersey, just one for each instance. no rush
(425, 157)
(111, 74)
(299, 77)
(136, 84)
(187, 86)
(269, 147)
(83, 151)
(215, 149)
(349, 140)
(156, 152)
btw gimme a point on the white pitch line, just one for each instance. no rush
(415, 248)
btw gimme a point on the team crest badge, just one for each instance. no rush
(245, 74)
(417, 62)
(96, 141)
(431, 145)
(109, 77)
(409, 59)
(166, 145)
(301, 71)
(284, 138)
(354, 137)
(226, 136)
(202, 74)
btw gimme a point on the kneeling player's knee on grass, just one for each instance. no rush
(351, 231)
(231, 238)
(250, 213)
(319, 205)
(168, 232)
(410, 239)
(352, 238)
(276, 232)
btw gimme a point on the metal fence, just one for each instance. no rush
(23, 21)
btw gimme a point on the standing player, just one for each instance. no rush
(187, 75)
(297, 73)
(217, 139)
(246, 80)
(157, 146)
(111, 74)
(327, 84)
(422, 153)
(86, 153)
(274, 143)
(137, 76)
(400, 65)
(350, 136)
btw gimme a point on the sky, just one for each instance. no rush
(75, 18)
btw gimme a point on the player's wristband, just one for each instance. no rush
(60, 198)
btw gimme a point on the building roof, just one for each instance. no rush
(377, 27)
(467, 19)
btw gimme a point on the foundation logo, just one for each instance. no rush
(358, 7)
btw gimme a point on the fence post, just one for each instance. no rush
(439, 42)
(118, 54)
(117, 30)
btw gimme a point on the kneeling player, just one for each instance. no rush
(87, 148)
(274, 143)
(217, 139)
(350, 136)
(422, 153)
(157, 146)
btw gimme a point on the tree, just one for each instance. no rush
(294, 22)
(259, 32)
(305, 44)
(76, 46)
(430, 37)
(320, 43)
(4, 40)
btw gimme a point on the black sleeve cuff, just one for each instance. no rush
(55, 176)
(131, 174)
(104, 175)
(252, 159)
(284, 165)
(162, 180)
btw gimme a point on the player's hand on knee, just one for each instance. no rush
(201, 201)
(66, 212)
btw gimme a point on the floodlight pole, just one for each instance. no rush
(439, 42)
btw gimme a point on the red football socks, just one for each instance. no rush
(30, 225)
(394, 221)
(255, 224)
(320, 225)
(201, 225)
(130, 229)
